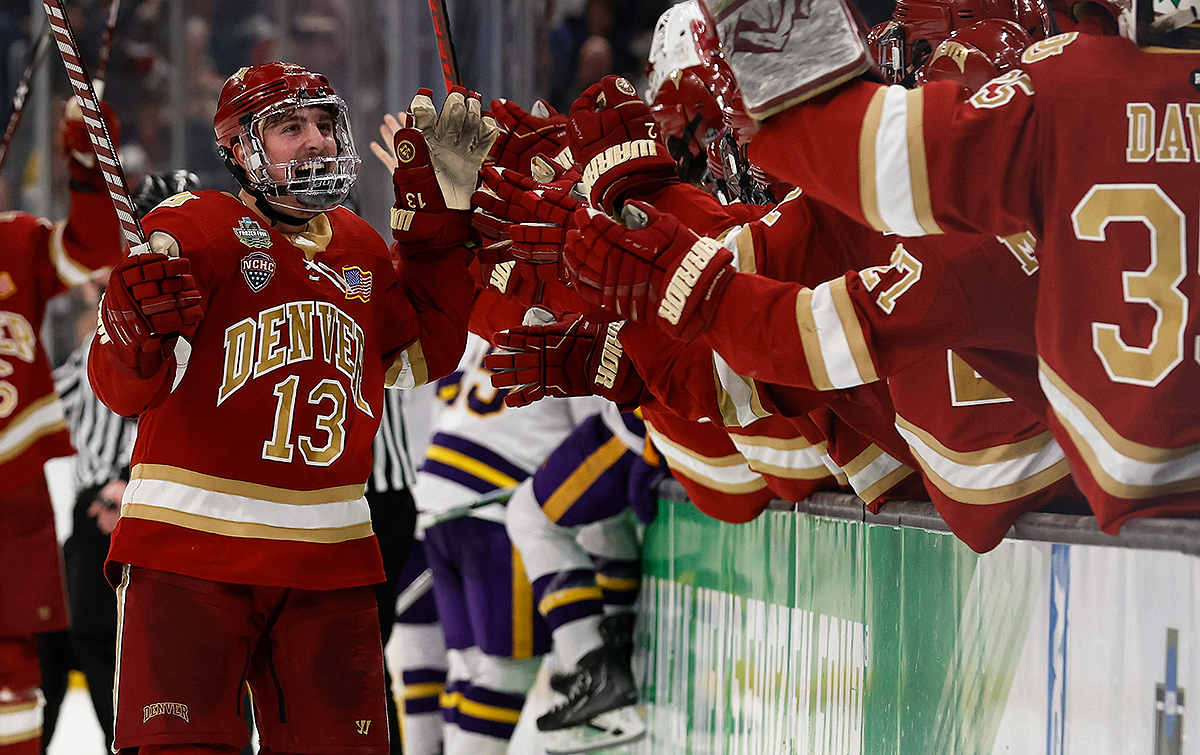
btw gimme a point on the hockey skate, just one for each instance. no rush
(616, 631)
(600, 708)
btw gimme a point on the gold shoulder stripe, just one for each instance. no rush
(747, 263)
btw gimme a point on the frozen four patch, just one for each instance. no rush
(252, 234)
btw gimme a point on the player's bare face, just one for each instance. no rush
(299, 134)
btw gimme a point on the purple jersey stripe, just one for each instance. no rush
(454, 474)
(479, 453)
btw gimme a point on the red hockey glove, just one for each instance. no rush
(513, 280)
(81, 159)
(534, 216)
(615, 141)
(572, 357)
(150, 299)
(651, 268)
(541, 130)
(421, 222)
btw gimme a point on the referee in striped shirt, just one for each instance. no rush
(394, 519)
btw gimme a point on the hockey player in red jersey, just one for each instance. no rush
(244, 551)
(1116, 213)
(39, 259)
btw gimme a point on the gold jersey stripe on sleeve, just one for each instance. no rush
(856, 340)
(807, 325)
(868, 196)
(737, 396)
(166, 473)
(873, 472)
(409, 370)
(918, 168)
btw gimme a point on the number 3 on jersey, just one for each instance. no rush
(327, 392)
(1157, 286)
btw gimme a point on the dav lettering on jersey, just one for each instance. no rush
(257, 268)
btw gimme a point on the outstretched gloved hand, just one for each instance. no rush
(650, 268)
(81, 158)
(437, 168)
(615, 142)
(525, 134)
(571, 357)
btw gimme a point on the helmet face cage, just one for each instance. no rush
(318, 183)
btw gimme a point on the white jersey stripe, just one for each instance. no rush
(727, 473)
(149, 493)
(893, 174)
(988, 476)
(740, 393)
(831, 336)
(1118, 473)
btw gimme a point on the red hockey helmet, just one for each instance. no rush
(254, 94)
(904, 43)
(691, 88)
(977, 54)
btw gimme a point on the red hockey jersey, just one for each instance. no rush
(1092, 146)
(37, 261)
(252, 450)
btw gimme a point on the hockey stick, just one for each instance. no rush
(427, 520)
(414, 591)
(102, 143)
(441, 31)
(106, 48)
(18, 105)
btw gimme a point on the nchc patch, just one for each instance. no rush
(252, 234)
(257, 269)
(358, 283)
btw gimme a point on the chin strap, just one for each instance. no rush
(272, 213)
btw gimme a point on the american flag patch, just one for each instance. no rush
(358, 283)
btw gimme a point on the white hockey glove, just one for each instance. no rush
(459, 140)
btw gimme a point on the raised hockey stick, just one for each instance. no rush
(18, 104)
(102, 143)
(445, 43)
(114, 7)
